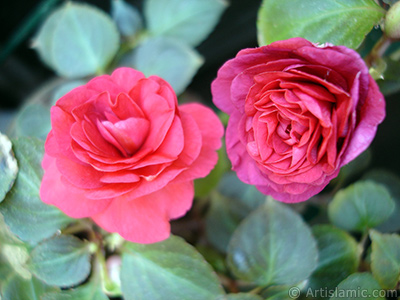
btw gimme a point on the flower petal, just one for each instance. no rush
(71, 201)
(126, 78)
(371, 113)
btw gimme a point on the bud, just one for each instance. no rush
(392, 22)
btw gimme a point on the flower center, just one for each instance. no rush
(126, 135)
(288, 129)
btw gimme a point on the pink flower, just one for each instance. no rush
(123, 153)
(298, 112)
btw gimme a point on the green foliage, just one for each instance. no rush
(16, 257)
(385, 259)
(282, 292)
(127, 18)
(340, 22)
(62, 261)
(33, 120)
(13, 254)
(190, 21)
(64, 88)
(272, 246)
(18, 288)
(390, 84)
(269, 249)
(361, 206)
(358, 286)
(88, 291)
(220, 222)
(392, 183)
(204, 186)
(171, 269)
(168, 58)
(229, 206)
(214, 257)
(26, 215)
(390, 2)
(353, 168)
(77, 40)
(338, 257)
(8, 166)
(239, 296)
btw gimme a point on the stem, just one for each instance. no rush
(378, 51)
(126, 47)
(109, 286)
(362, 246)
(364, 239)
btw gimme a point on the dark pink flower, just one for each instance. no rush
(123, 153)
(298, 112)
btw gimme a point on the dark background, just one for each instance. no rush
(22, 71)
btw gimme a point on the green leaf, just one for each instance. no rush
(240, 296)
(339, 22)
(168, 58)
(6, 236)
(171, 270)
(361, 206)
(220, 222)
(8, 166)
(273, 246)
(234, 201)
(33, 120)
(62, 261)
(5, 271)
(13, 254)
(18, 288)
(245, 197)
(213, 257)
(354, 168)
(283, 292)
(16, 254)
(65, 88)
(126, 17)
(390, 2)
(359, 286)
(89, 291)
(385, 259)
(338, 257)
(392, 182)
(191, 21)
(77, 40)
(203, 186)
(390, 83)
(26, 215)
(370, 41)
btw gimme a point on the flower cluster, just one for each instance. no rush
(122, 151)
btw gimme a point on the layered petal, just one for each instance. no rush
(72, 201)
(122, 152)
(146, 219)
(298, 112)
(211, 131)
